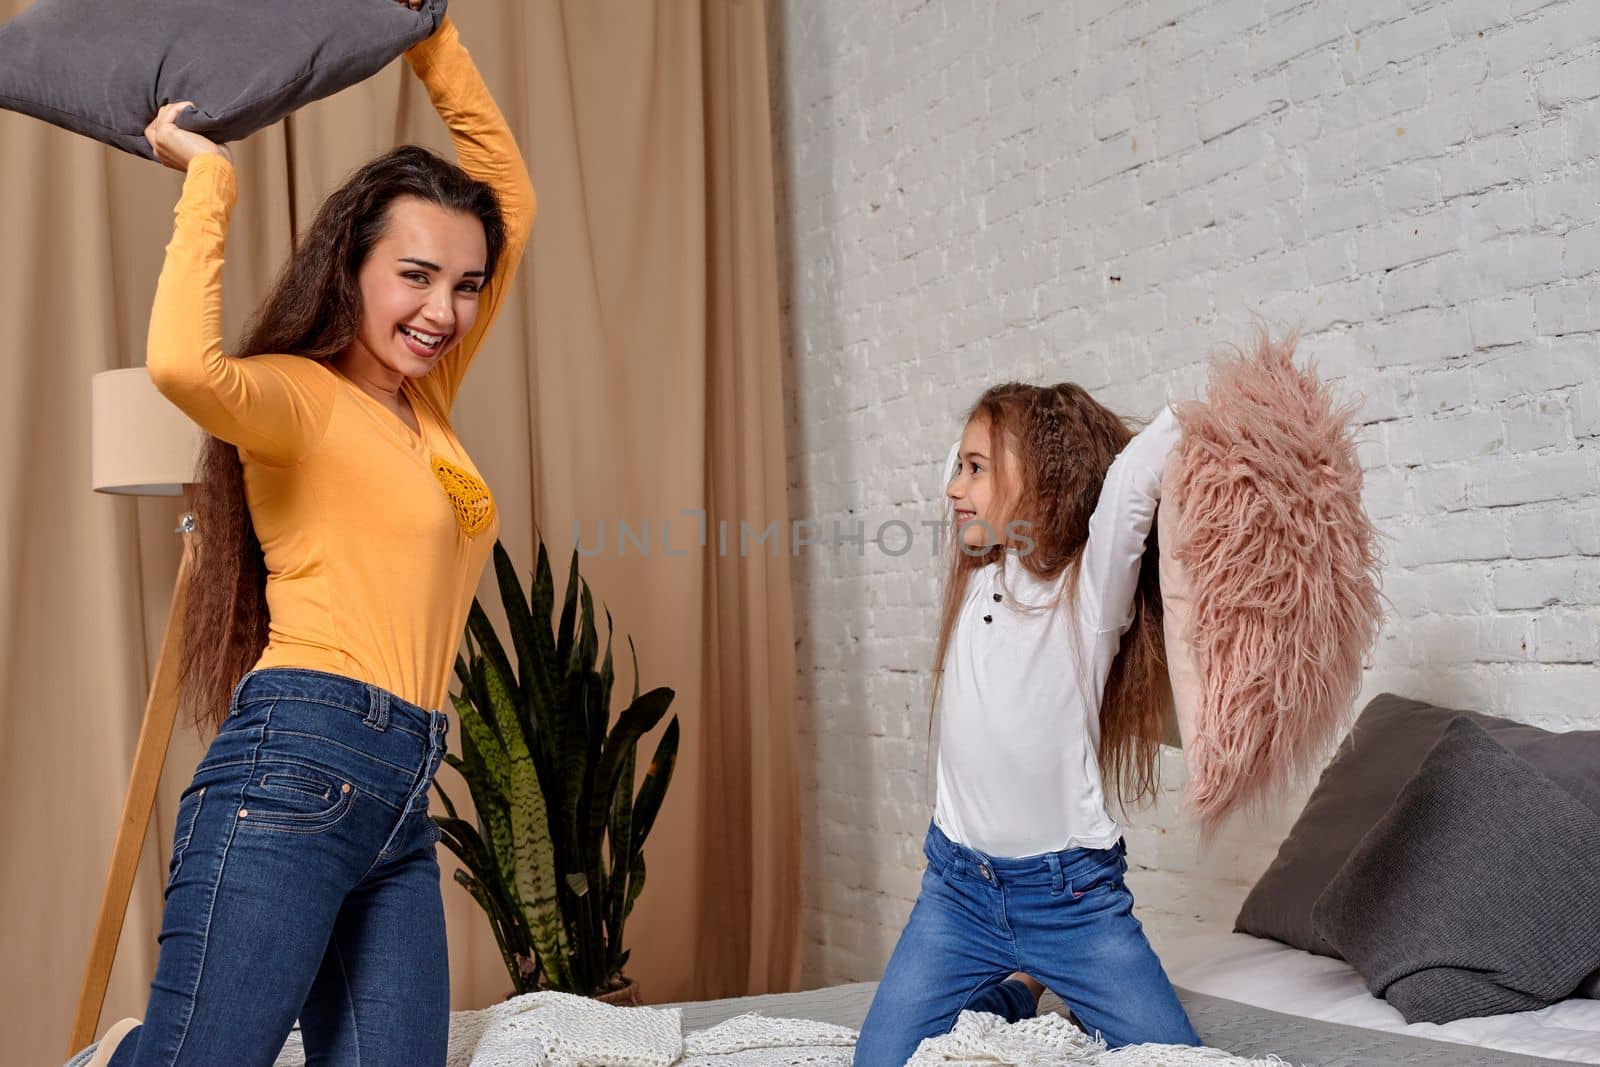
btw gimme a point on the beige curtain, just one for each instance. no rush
(633, 378)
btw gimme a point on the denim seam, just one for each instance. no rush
(211, 906)
(221, 766)
(348, 748)
(419, 782)
(298, 699)
(349, 996)
(301, 824)
(356, 786)
(290, 761)
(309, 766)
(1005, 920)
(181, 848)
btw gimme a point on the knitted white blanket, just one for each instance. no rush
(560, 1030)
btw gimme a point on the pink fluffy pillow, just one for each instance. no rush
(1269, 579)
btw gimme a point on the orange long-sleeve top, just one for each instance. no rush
(375, 536)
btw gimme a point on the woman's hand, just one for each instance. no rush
(412, 4)
(174, 146)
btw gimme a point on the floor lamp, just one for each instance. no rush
(142, 446)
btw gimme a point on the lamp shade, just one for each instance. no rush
(142, 445)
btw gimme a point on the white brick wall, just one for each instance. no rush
(963, 182)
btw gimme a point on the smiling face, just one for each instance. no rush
(981, 505)
(419, 290)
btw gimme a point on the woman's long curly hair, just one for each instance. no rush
(313, 310)
(1064, 441)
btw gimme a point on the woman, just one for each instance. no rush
(342, 530)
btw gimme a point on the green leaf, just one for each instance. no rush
(518, 615)
(540, 684)
(544, 590)
(588, 647)
(530, 839)
(481, 895)
(569, 612)
(565, 724)
(635, 883)
(486, 743)
(479, 626)
(638, 718)
(444, 798)
(494, 812)
(620, 855)
(608, 676)
(654, 788)
(462, 838)
(545, 666)
(596, 717)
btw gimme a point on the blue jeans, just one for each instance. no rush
(1065, 918)
(303, 884)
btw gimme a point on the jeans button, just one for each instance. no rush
(987, 875)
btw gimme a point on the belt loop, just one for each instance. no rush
(436, 741)
(377, 708)
(1053, 861)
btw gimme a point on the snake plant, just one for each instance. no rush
(556, 855)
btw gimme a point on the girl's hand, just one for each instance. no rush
(412, 4)
(174, 146)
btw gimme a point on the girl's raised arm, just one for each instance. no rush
(1121, 524)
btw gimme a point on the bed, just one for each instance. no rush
(1254, 998)
(1325, 995)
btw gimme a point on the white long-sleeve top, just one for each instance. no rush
(1019, 709)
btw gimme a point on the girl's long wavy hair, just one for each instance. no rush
(313, 310)
(1064, 441)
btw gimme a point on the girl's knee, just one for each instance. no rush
(883, 1046)
(1164, 1029)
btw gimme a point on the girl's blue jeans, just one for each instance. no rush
(1065, 918)
(303, 885)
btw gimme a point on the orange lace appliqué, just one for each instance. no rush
(471, 499)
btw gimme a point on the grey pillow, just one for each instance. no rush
(104, 67)
(1366, 774)
(1477, 894)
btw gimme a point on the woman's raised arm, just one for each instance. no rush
(486, 150)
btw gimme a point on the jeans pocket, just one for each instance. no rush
(293, 782)
(295, 798)
(1105, 877)
(183, 829)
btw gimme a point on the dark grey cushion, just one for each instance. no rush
(104, 67)
(1477, 894)
(1371, 766)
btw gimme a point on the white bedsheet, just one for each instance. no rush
(1274, 976)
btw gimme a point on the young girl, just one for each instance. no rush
(342, 531)
(1049, 685)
